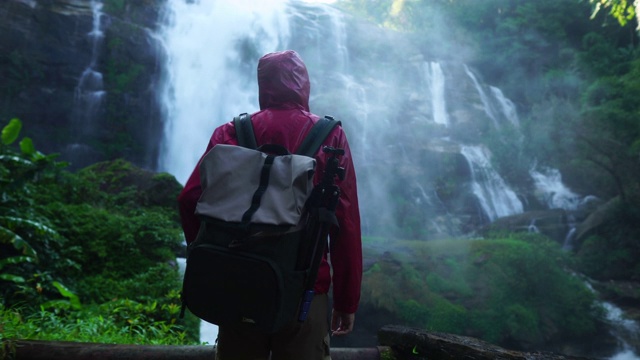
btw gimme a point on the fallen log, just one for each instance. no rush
(46, 350)
(418, 344)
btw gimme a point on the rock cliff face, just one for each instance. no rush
(45, 49)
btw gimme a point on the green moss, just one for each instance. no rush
(387, 354)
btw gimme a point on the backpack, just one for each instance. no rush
(262, 232)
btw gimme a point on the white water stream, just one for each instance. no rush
(436, 82)
(495, 196)
(89, 93)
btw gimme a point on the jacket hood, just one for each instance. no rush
(283, 81)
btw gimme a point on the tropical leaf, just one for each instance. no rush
(40, 228)
(15, 159)
(9, 237)
(11, 131)
(12, 278)
(56, 304)
(15, 260)
(27, 147)
(64, 291)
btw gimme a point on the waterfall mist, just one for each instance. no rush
(407, 116)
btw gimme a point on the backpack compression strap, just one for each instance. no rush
(310, 145)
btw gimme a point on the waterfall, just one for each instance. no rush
(483, 97)
(89, 93)
(209, 78)
(553, 192)
(495, 196)
(497, 107)
(507, 106)
(436, 82)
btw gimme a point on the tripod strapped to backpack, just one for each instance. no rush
(322, 206)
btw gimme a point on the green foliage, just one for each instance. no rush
(121, 75)
(621, 10)
(27, 241)
(509, 288)
(528, 283)
(118, 7)
(11, 132)
(114, 6)
(118, 321)
(610, 128)
(87, 256)
(612, 251)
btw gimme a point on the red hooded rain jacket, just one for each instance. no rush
(284, 119)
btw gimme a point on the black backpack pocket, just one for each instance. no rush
(231, 288)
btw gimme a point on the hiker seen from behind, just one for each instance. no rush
(246, 271)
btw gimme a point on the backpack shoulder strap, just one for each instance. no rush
(317, 135)
(244, 131)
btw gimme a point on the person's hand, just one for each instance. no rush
(341, 323)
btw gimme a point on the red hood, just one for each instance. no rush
(283, 81)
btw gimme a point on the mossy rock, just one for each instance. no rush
(120, 176)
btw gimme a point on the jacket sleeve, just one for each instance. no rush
(187, 201)
(346, 242)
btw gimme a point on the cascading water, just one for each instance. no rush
(623, 329)
(506, 105)
(89, 93)
(209, 78)
(496, 198)
(552, 191)
(498, 108)
(489, 110)
(435, 81)
(90, 90)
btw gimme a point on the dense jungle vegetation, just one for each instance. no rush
(90, 255)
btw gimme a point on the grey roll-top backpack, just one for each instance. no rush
(261, 234)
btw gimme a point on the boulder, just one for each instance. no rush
(553, 223)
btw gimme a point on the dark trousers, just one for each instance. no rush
(308, 340)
